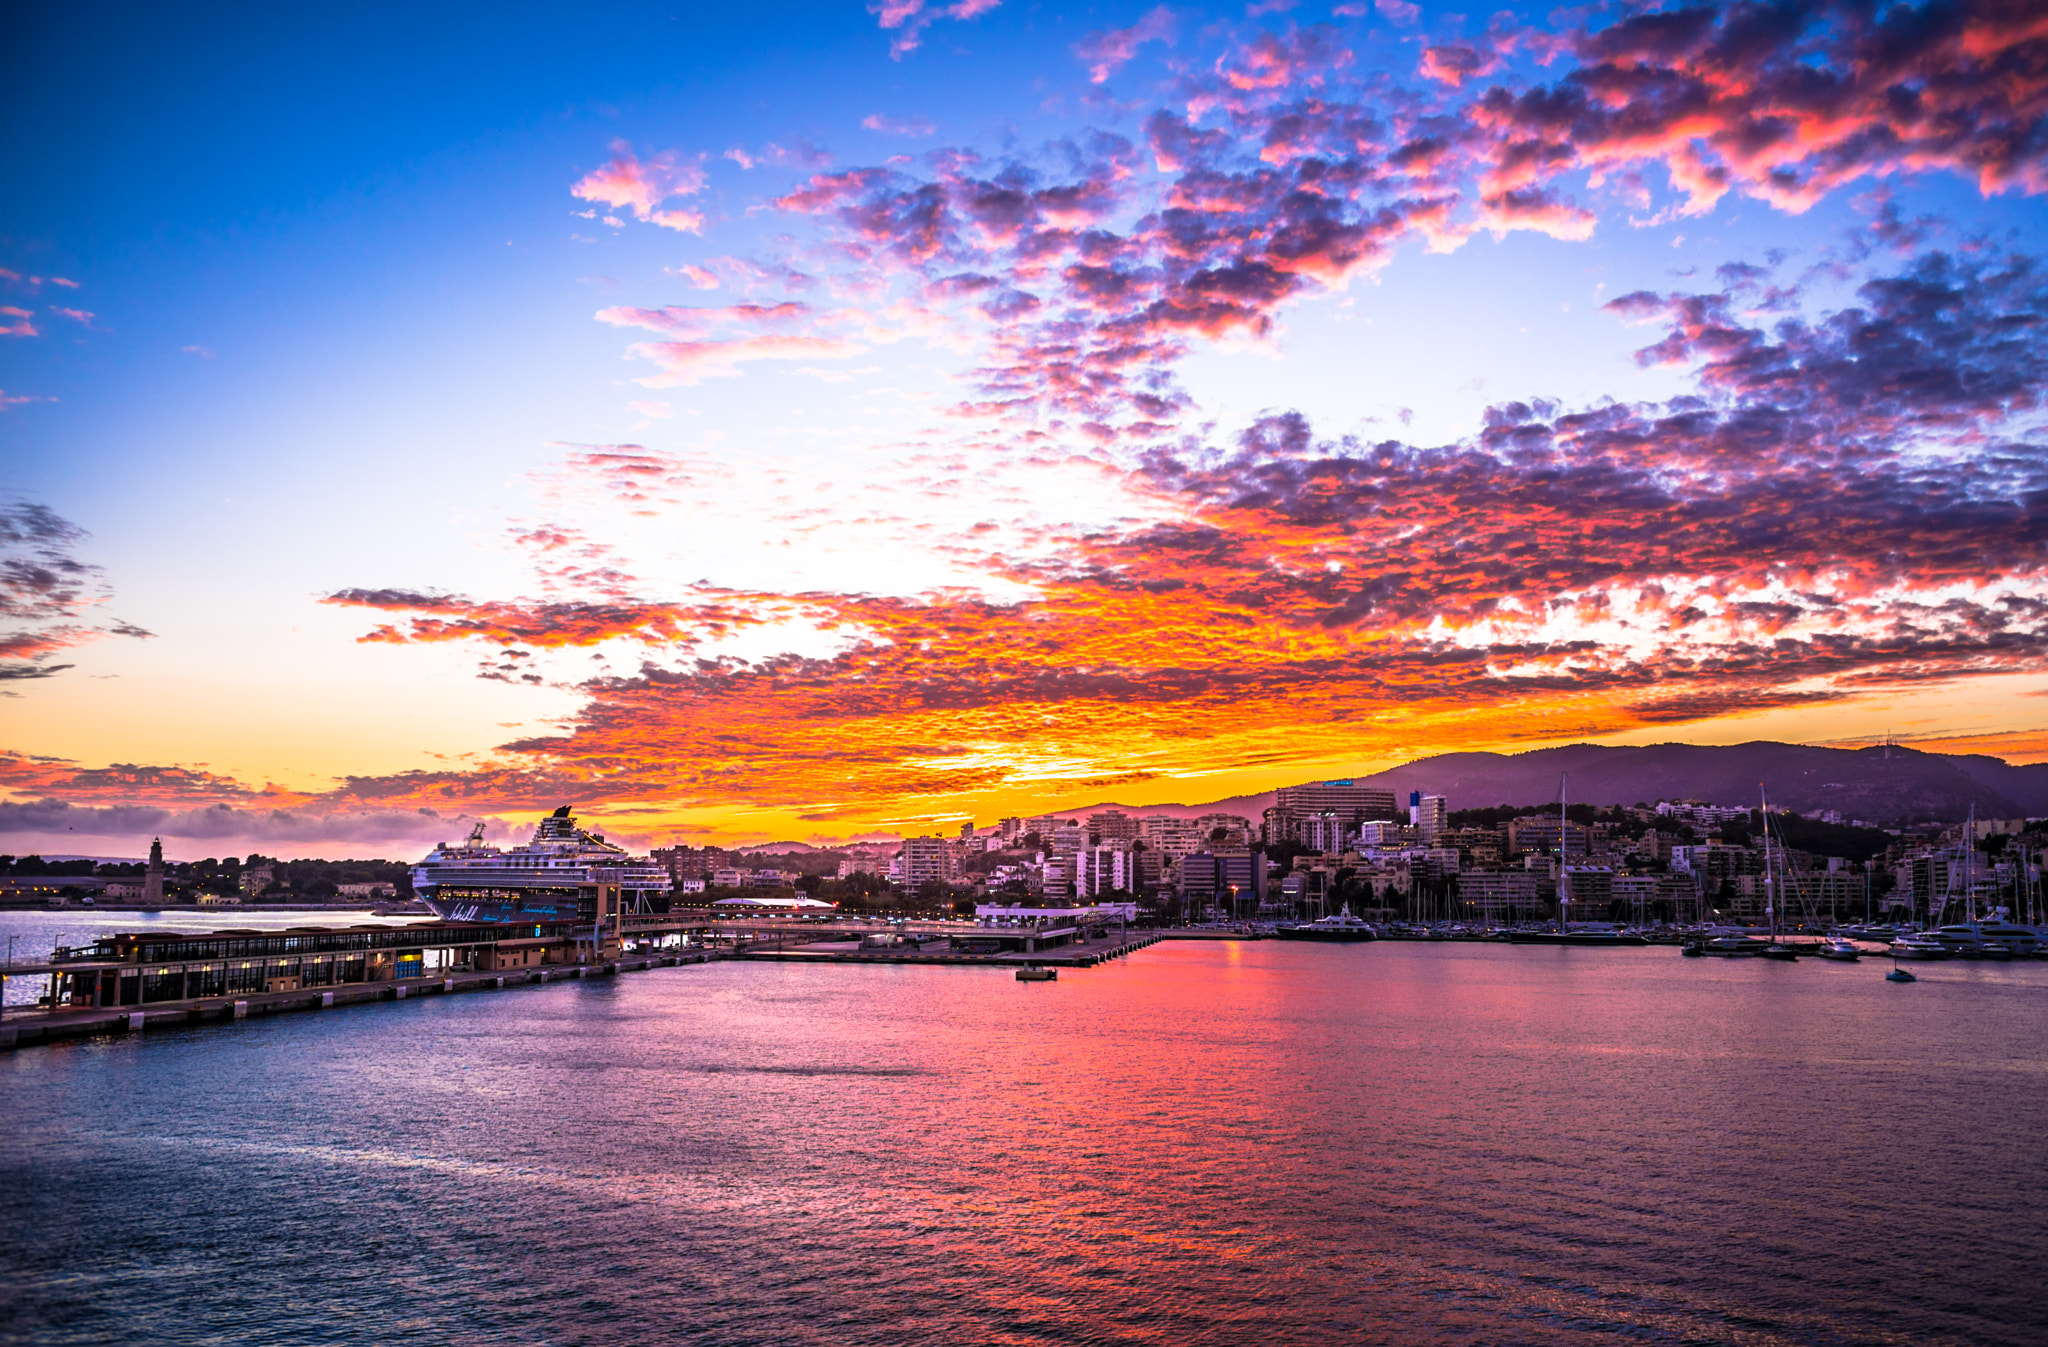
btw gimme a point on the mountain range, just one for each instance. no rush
(1882, 784)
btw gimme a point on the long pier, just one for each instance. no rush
(54, 1025)
(132, 981)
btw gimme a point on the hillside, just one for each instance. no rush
(1881, 785)
(1878, 784)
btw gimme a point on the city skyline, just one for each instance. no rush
(832, 422)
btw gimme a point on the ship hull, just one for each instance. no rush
(1580, 940)
(1325, 937)
(510, 911)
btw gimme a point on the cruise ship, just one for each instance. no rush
(552, 878)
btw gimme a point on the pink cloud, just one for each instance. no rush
(628, 184)
(1108, 51)
(912, 17)
(686, 363)
(21, 326)
(913, 126)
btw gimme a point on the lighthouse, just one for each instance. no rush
(153, 878)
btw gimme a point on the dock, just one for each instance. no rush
(958, 951)
(47, 1025)
(129, 982)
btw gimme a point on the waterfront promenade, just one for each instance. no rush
(165, 978)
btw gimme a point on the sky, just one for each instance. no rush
(834, 420)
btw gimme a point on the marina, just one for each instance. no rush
(130, 981)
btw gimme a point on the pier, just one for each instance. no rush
(133, 981)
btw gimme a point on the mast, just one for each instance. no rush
(1969, 862)
(1564, 902)
(1770, 892)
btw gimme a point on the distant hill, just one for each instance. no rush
(1880, 785)
(778, 848)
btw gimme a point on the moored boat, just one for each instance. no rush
(1839, 949)
(1341, 928)
(556, 876)
(1580, 938)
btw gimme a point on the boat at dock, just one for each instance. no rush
(1738, 946)
(1585, 939)
(1989, 939)
(1038, 975)
(556, 876)
(1844, 951)
(1343, 928)
(1920, 946)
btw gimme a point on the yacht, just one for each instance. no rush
(1342, 927)
(1920, 945)
(1736, 944)
(1989, 939)
(1838, 948)
(1580, 936)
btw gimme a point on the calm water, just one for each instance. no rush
(1205, 1143)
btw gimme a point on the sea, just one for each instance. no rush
(1201, 1142)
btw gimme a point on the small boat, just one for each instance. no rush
(1038, 975)
(1920, 947)
(1900, 975)
(1838, 948)
(1782, 953)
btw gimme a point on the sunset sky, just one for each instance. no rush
(823, 420)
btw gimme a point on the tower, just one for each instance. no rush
(153, 878)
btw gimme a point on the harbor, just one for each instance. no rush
(128, 981)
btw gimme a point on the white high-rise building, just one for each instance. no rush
(1103, 869)
(1430, 814)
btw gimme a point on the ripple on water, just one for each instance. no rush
(1199, 1144)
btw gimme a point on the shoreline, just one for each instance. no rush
(374, 909)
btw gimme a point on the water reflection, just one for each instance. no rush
(1204, 1143)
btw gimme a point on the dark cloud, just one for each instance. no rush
(45, 586)
(221, 822)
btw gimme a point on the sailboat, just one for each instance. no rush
(1564, 934)
(1774, 892)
